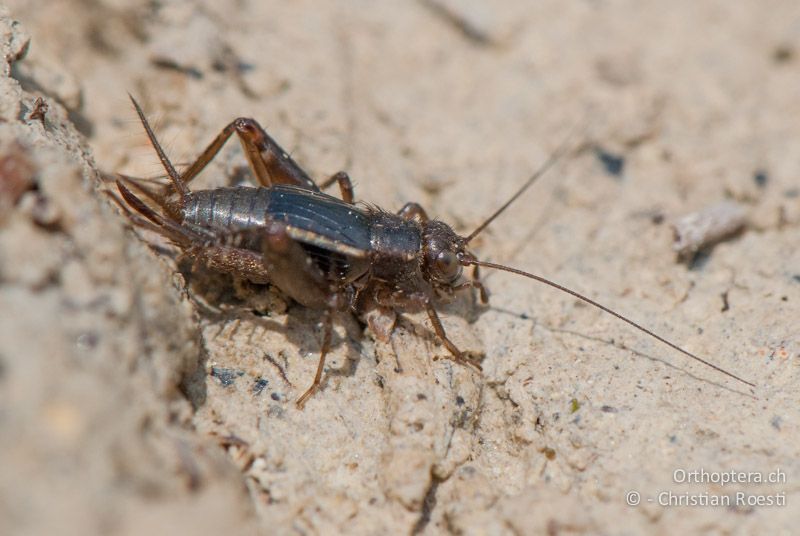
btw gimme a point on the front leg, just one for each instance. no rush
(438, 328)
(475, 282)
(416, 301)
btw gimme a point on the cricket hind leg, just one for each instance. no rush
(292, 270)
(217, 252)
(268, 161)
(327, 331)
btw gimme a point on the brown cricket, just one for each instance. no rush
(323, 252)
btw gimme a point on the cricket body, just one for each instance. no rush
(325, 253)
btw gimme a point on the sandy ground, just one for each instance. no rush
(132, 399)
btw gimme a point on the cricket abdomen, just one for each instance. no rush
(227, 209)
(335, 234)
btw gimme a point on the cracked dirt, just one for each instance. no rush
(139, 393)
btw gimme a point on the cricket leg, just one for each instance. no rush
(232, 260)
(458, 355)
(268, 161)
(476, 283)
(413, 210)
(416, 302)
(292, 271)
(345, 186)
(327, 329)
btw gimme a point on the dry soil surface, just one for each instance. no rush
(138, 392)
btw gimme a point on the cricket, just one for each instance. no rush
(325, 253)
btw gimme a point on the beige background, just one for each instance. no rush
(453, 105)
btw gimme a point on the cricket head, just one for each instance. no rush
(444, 254)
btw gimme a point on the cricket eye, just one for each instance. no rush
(447, 266)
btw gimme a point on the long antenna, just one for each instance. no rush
(607, 310)
(554, 157)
